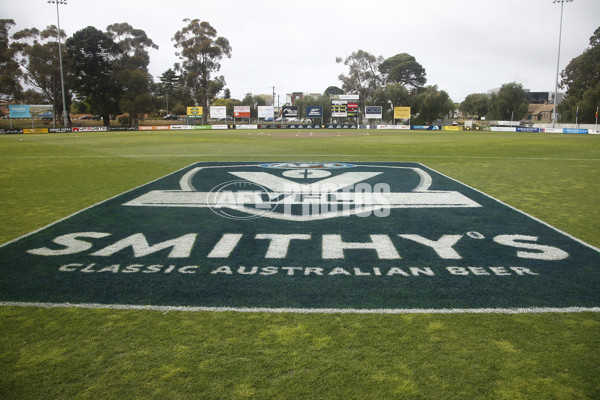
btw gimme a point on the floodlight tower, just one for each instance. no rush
(562, 3)
(62, 78)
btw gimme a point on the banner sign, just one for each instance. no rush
(401, 112)
(340, 126)
(218, 112)
(290, 126)
(266, 112)
(246, 127)
(124, 128)
(59, 130)
(28, 111)
(194, 111)
(528, 129)
(425, 127)
(339, 109)
(328, 237)
(570, 130)
(289, 111)
(394, 127)
(36, 130)
(314, 112)
(91, 129)
(155, 127)
(241, 111)
(373, 112)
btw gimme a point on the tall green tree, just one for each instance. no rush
(169, 82)
(201, 52)
(10, 72)
(93, 55)
(581, 78)
(134, 43)
(510, 103)
(363, 76)
(403, 69)
(39, 57)
(475, 104)
(131, 68)
(431, 104)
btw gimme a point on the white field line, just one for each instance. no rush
(528, 310)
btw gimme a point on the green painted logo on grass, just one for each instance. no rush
(303, 235)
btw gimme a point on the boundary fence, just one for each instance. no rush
(294, 126)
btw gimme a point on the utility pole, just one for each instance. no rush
(62, 78)
(558, 62)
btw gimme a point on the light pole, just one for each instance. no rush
(562, 3)
(62, 79)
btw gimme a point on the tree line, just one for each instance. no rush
(106, 74)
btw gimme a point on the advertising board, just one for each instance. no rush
(266, 112)
(314, 112)
(401, 112)
(241, 111)
(194, 111)
(289, 111)
(373, 112)
(28, 111)
(218, 112)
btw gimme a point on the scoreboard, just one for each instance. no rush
(344, 106)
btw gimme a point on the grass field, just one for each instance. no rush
(77, 353)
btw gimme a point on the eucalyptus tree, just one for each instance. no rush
(10, 72)
(131, 67)
(38, 53)
(363, 76)
(201, 52)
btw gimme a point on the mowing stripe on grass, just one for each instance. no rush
(300, 156)
(305, 156)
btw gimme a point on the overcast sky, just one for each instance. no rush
(465, 46)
